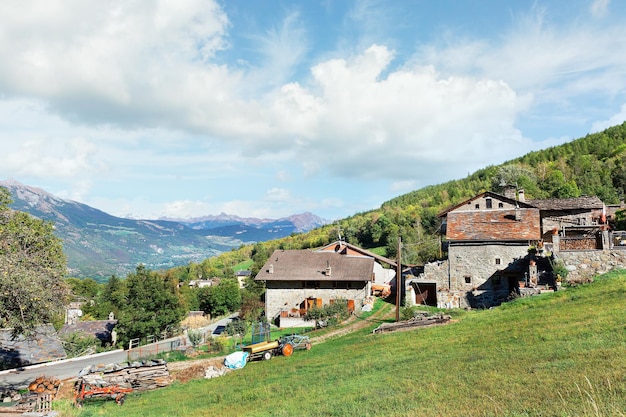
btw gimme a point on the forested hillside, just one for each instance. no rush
(593, 165)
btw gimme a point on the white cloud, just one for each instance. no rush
(184, 209)
(599, 8)
(50, 158)
(364, 124)
(616, 119)
(403, 186)
(277, 194)
(553, 62)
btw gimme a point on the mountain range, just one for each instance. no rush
(99, 245)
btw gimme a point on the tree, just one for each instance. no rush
(153, 306)
(32, 268)
(220, 299)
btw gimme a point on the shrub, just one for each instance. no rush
(329, 315)
(195, 337)
(559, 270)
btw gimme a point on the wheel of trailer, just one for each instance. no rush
(78, 404)
(120, 399)
(307, 346)
(287, 349)
(267, 355)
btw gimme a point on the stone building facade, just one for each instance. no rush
(500, 243)
(488, 238)
(297, 280)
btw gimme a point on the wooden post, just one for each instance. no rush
(398, 278)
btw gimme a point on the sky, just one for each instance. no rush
(267, 108)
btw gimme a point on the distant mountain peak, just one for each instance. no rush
(99, 245)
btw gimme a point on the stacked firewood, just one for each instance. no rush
(45, 385)
(139, 375)
(422, 319)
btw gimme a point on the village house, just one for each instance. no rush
(297, 280)
(499, 244)
(242, 276)
(384, 268)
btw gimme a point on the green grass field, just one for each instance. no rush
(561, 354)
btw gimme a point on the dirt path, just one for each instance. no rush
(354, 323)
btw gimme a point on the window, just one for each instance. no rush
(468, 279)
(310, 284)
(498, 261)
(477, 206)
(500, 205)
(488, 203)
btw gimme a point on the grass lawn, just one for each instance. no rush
(560, 354)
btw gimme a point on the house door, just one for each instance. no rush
(425, 293)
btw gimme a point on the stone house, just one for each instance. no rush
(499, 243)
(578, 221)
(297, 280)
(487, 237)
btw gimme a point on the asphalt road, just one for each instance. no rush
(69, 368)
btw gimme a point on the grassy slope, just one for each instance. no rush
(557, 354)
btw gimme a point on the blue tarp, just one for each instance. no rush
(236, 360)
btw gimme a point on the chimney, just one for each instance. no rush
(270, 270)
(328, 270)
(521, 196)
(509, 192)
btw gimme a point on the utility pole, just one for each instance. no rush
(398, 278)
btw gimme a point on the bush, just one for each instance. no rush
(195, 337)
(559, 270)
(329, 315)
(218, 344)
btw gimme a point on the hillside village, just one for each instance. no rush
(499, 247)
(494, 247)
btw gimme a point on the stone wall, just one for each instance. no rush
(472, 266)
(287, 295)
(583, 265)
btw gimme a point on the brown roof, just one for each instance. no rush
(346, 248)
(575, 203)
(306, 265)
(498, 225)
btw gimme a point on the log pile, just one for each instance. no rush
(421, 320)
(138, 375)
(41, 393)
(45, 385)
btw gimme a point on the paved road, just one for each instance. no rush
(69, 368)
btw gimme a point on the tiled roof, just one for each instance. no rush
(305, 265)
(98, 328)
(44, 346)
(567, 203)
(498, 225)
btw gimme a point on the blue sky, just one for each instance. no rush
(266, 108)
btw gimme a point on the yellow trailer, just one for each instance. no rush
(265, 350)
